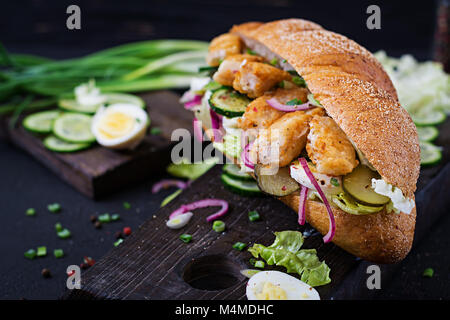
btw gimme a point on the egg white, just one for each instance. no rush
(129, 140)
(295, 289)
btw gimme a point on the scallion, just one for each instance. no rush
(186, 238)
(253, 215)
(58, 253)
(41, 251)
(64, 234)
(118, 242)
(428, 272)
(334, 182)
(239, 246)
(115, 217)
(274, 61)
(127, 205)
(30, 212)
(218, 226)
(58, 227)
(104, 218)
(30, 254)
(259, 264)
(54, 207)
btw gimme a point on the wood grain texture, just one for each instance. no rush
(99, 171)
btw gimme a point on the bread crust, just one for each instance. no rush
(353, 88)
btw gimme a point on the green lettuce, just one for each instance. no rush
(286, 252)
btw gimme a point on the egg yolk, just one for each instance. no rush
(271, 292)
(115, 124)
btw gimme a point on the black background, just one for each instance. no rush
(39, 27)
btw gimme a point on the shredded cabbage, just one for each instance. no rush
(421, 86)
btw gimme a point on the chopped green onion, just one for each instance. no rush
(186, 238)
(253, 216)
(281, 84)
(104, 217)
(428, 272)
(118, 242)
(115, 217)
(41, 251)
(58, 227)
(259, 264)
(64, 234)
(30, 254)
(54, 207)
(218, 226)
(207, 68)
(170, 197)
(294, 102)
(284, 60)
(58, 253)
(249, 51)
(334, 182)
(239, 246)
(127, 205)
(155, 131)
(274, 61)
(299, 81)
(30, 212)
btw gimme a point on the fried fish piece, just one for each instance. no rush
(229, 67)
(223, 46)
(255, 78)
(329, 148)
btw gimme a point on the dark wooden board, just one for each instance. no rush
(99, 171)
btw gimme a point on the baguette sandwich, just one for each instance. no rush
(321, 129)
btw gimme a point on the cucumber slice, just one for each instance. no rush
(427, 133)
(245, 188)
(429, 153)
(347, 204)
(55, 144)
(124, 98)
(279, 184)
(235, 172)
(74, 127)
(429, 118)
(228, 103)
(231, 146)
(358, 184)
(73, 105)
(40, 122)
(111, 98)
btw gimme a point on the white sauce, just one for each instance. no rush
(399, 201)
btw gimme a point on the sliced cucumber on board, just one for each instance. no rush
(430, 118)
(429, 153)
(40, 122)
(110, 98)
(73, 105)
(245, 188)
(228, 103)
(124, 98)
(235, 172)
(73, 127)
(427, 134)
(55, 144)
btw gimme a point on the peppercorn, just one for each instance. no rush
(118, 235)
(97, 224)
(84, 266)
(93, 218)
(46, 273)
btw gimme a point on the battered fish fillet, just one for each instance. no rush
(329, 148)
(255, 78)
(284, 140)
(229, 67)
(259, 114)
(221, 47)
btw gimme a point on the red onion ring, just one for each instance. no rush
(301, 205)
(273, 102)
(332, 229)
(198, 131)
(166, 183)
(197, 100)
(245, 156)
(203, 204)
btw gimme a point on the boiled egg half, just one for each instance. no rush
(120, 126)
(275, 285)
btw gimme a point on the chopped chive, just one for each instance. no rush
(58, 253)
(249, 51)
(274, 61)
(252, 261)
(58, 227)
(127, 205)
(239, 246)
(104, 217)
(30, 254)
(41, 251)
(207, 68)
(155, 131)
(118, 242)
(259, 264)
(428, 272)
(64, 234)
(54, 207)
(294, 102)
(299, 81)
(334, 182)
(284, 60)
(281, 84)
(218, 226)
(115, 217)
(30, 212)
(253, 215)
(186, 238)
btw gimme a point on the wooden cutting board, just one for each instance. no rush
(99, 171)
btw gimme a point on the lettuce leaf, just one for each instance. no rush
(286, 252)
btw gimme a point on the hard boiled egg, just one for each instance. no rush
(275, 285)
(120, 126)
